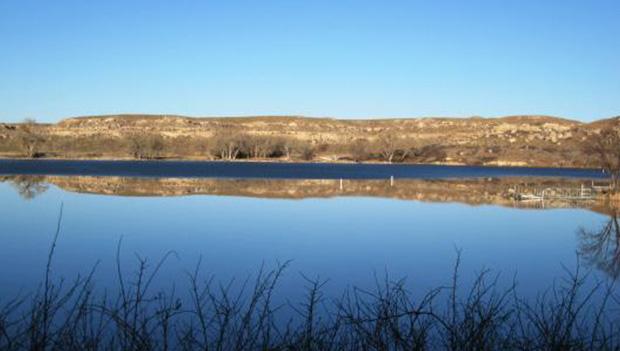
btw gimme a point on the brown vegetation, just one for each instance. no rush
(391, 146)
(29, 138)
(512, 141)
(147, 146)
(604, 150)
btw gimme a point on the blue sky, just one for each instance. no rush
(351, 59)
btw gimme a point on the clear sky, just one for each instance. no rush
(319, 58)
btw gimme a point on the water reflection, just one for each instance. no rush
(601, 248)
(345, 239)
(28, 187)
(472, 191)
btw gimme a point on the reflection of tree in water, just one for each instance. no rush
(29, 187)
(601, 248)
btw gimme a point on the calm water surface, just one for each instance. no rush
(346, 240)
(272, 170)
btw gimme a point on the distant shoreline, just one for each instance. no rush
(283, 161)
(516, 141)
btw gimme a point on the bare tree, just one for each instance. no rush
(601, 248)
(156, 145)
(290, 148)
(29, 138)
(260, 146)
(229, 146)
(359, 149)
(147, 146)
(392, 147)
(429, 153)
(306, 151)
(284, 147)
(604, 149)
(29, 187)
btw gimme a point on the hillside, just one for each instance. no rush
(514, 140)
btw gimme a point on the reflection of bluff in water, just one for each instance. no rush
(601, 248)
(492, 191)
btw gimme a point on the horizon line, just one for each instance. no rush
(317, 117)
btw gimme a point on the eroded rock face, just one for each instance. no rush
(516, 140)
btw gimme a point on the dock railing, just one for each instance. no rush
(582, 192)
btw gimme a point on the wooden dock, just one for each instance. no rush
(584, 192)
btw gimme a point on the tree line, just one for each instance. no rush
(229, 144)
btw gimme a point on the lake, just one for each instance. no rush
(346, 232)
(173, 239)
(273, 170)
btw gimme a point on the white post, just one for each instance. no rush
(340, 183)
(391, 180)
